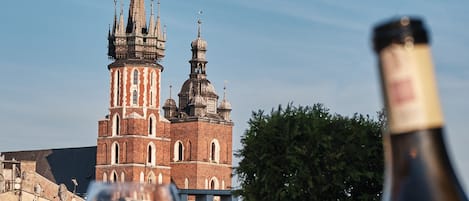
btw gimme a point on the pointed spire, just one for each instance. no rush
(158, 30)
(137, 17)
(114, 24)
(120, 27)
(151, 28)
(158, 7)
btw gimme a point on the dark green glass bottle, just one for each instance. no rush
(417, 167)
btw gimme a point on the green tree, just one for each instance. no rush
(307, 153)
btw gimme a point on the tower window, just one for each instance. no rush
(151, 125)
(114, 177)
(212, 185)
(116, 125)
(134, 97)
(178, 151)
(151, 154)
(115, 153)
(135, 81)
(215, 151)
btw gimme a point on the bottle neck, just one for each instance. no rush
(409, 88)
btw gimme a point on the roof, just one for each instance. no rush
(61, 165)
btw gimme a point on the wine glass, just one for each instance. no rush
(128, 191)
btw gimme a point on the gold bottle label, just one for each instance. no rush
(410, 88)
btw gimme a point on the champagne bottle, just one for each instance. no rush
(418, 167)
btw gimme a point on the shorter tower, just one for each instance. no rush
(201, 132)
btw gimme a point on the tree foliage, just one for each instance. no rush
(307, 153)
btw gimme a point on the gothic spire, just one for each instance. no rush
(137, 16)
(151, 28)
(158, 30)
(114, 24)
(120, 27)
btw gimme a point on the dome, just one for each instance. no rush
(169, 103)
(225, 105)
(199, 44)
(192, 84)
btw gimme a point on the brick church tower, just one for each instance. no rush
(201, 132)
(192, 144)
(134, 141)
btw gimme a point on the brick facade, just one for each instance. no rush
(191, 145)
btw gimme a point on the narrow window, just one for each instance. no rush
(116, 154)
(117, 125)
(135, 81)
(213, 151)
(134, 97)
(114, 177)
(212, 185)
(150, 126)
(151, 98)
(180, 150)
(149, 155)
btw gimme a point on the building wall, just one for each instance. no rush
(197, 167)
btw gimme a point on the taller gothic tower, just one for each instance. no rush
(133, 141)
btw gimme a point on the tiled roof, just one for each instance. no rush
(61, 165)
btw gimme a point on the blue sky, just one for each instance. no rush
(54, 80)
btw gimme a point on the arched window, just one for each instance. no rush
(151, 125)
(115, 153)
(178, 151)
(181, 151)
(186, 183)
(135, 81)
(215, 151)
(213, 148)
(114, 177)
(214, 183)
(135, 97)
(151, 154)
(116, 125)
(151, 178)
